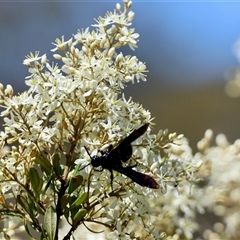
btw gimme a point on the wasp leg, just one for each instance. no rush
(111, 177)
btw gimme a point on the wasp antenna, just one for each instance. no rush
(88, 152)
(84, 167)
(89, 156)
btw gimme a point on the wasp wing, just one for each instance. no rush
(124, 150)
(140, 178)
(133, 136)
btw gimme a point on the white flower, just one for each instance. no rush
(33, 58)
(129, 37)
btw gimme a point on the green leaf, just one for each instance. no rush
(6, 236)
(65, 201)
(24, 204)
(44, 164)
(56, 164)
(27, 230)
(80, 199)
(76, 170)
(50, 222)
(12, 214)
(75, 182)
(32, 206)
(36, 181)
(79, 217)
(29, 207)
(48, 180)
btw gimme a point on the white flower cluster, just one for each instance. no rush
(78, 103)
(220, 186)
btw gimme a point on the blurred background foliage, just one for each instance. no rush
(188, 48)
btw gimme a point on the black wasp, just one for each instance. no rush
(112, 160)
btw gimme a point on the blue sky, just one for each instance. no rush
(182, 42)
(187, 46)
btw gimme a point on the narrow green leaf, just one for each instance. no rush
(6, 236)
(50, 222)
(79, 217)
(27, 206)
(42, 237)
(24, 203)
(36, 181)
(80, 199)
(76, 179)
(75, 182)
(65, 201)
(73, 237)
(75, 210)
(48, 180)
(56, 164)
(44, 164)
(12, 214)
(32, 206)
(76, 169)
(27, 230)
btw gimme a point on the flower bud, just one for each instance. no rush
(44, 59)
(118, 6)
(208, 134)
(131, 16)
(66, 61)
(119, 60)
(85, 50)
(129, 4)
(70, 42)
(8, 90)
(111, 52)
(102, 42)
(57, 56)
